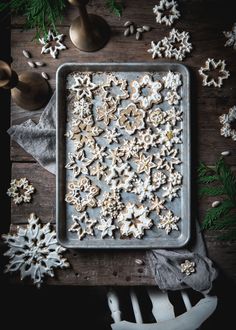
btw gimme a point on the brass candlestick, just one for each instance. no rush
(29, 90)
(88, 32)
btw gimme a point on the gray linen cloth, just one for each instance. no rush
(39, 140)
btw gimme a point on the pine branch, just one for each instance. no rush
(115, 7)
(215, 213)
(208, 178)
(212, 191)
(227, 178)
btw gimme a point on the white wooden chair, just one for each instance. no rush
(163, 312)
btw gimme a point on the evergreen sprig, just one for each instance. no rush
(115, 7)
(219, 180)
(40, 14)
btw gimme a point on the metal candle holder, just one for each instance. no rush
(29, 90)
(88, 32)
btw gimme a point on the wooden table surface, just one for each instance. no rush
(205, 21)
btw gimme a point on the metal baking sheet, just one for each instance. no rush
(153, 238)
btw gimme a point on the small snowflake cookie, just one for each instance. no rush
(166, 12)
(188, 267)
(169, 136)
(120, 87)
(172, 80)
(144, 189)
(52, 44)
(133, 220)
(111, 204)
(34, 251)
(146, 92)
(144, 163)
(231, 36)
(82, 225)
(106, 227)
(157, 205)
(20, 190)
(226, 120)
(210, 66)
(168, 222)
(106, 112)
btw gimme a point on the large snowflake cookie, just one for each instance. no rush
(176, 45)
(131, 118)
(52, 44)
(82, 225)
(231, 36)
(83, 86)
(82, 194)
(166, 12)
(168, 222)
(20, 190)
(226, 120)
(120, 89)
(34, 251)
(145, 92)
(213, 66)
(133, 220)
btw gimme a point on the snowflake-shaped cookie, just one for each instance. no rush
(158, 179)
(157, 205)
(210, 66)
(78, 163)
(175, 178)
(168, 222)
(52, 44)
(172, 97)
(168, 158)
(169, 136)
(130, 148)
(172, 80)
(146, 92)
(20, 190)
(106, 112)
(34, 251)
(157, 49)
(111, 204)
(231, 36)
(106, 227)
(82, 225)
(82, 109)
(133, 221)
(121, 177)
(83, 87)
(116, 155)
(98, 170)
(177, 45)
(156, 117)
(82, 194)
(120, 85)
(174, 115)
(99, 152)
(144, 189)
(188, 267)
(166, 12)
(226, 120)
(131, 118)
(112, 136)
(170, 191)
(146, 139)
(144, 163)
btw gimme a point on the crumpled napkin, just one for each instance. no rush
(39, 140)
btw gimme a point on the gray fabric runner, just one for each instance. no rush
(40, 141)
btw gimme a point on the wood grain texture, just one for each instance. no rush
(208, 103)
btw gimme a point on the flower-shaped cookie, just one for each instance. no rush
(145, 92)
(83, 87)
(133, 220)
(166, 12)
(156, 117)
(188, 267)
(82, 225)
(131, 118)
(52, 44)
(226, 120)
(82, 194)
(168, 222)
(20, 190)
(211, 66)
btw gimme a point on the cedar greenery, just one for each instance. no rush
(219, 180)
(44, 14)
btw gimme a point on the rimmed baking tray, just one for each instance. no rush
(154, 238)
